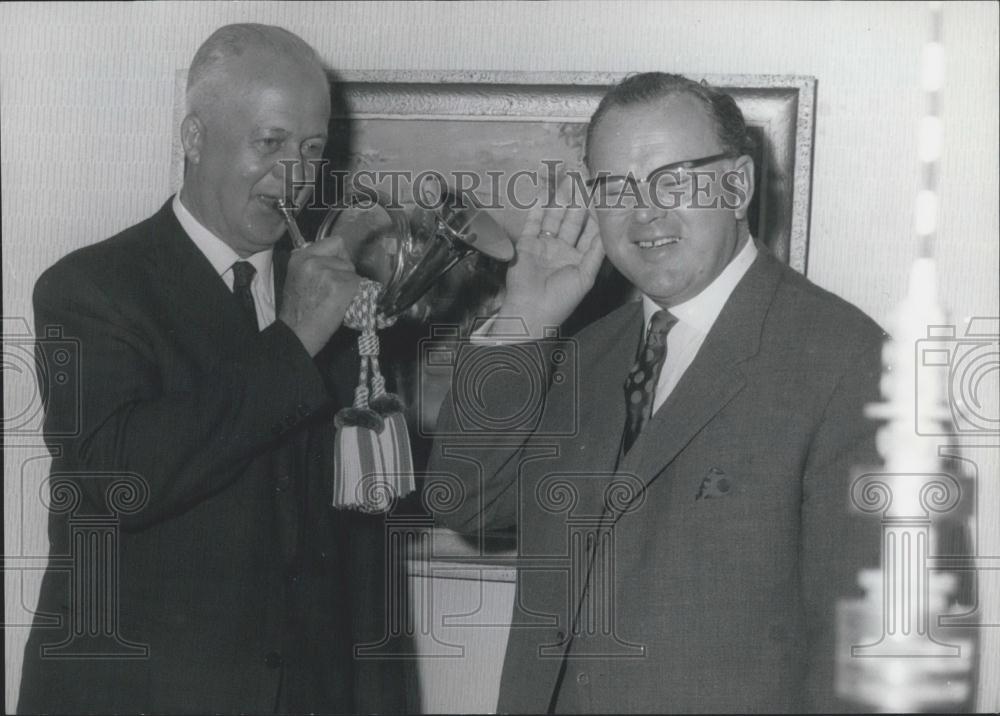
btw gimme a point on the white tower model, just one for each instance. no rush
(889, 657)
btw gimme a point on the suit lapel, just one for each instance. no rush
(715, 376)
(607, 364)
(196, 291)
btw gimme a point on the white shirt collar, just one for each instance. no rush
(220, 254)
(701, 311)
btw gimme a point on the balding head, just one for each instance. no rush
(258, 109)
(220, 59)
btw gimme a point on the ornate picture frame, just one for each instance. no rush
(509, 121)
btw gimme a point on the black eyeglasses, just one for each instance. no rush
(676, 175)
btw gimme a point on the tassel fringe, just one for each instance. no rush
(374, 463)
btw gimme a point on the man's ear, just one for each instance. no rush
(741, 187)
(192, 137)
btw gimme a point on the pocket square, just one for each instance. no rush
(716, 483)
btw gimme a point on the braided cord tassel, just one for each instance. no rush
(362, 315)
(374, 465)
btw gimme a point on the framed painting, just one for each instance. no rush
(494, 125)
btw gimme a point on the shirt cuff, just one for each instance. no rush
(505, 330)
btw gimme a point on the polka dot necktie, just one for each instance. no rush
(642, 379)
(243, 273)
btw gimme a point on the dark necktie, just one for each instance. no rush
(243, 273)
(642, 379)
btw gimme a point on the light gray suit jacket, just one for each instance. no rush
(701, 571)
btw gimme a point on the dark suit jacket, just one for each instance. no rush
(226, 584)
(722, 539)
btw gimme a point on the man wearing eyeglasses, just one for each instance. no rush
(682, 507)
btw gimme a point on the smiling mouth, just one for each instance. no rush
(657, 243)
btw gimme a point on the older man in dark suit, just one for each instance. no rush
(206, 391)
(681, 502)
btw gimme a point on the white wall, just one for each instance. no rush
(87, 93)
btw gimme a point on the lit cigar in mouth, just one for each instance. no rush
(288, 210)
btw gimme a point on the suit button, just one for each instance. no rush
(273, 660)
(582, 678)
(281, 483)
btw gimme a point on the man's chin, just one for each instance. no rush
(267, 241)
(264, 235)
(662, 292)
(651, 280)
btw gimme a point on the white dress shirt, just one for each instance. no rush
(222, 257)
(695, 318)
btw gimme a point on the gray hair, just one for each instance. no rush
(208, 68)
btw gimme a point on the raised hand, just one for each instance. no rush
(558, 255)
(320, 285)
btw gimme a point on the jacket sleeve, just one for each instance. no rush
(836, 540)
(497, 400)
(182, 445)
